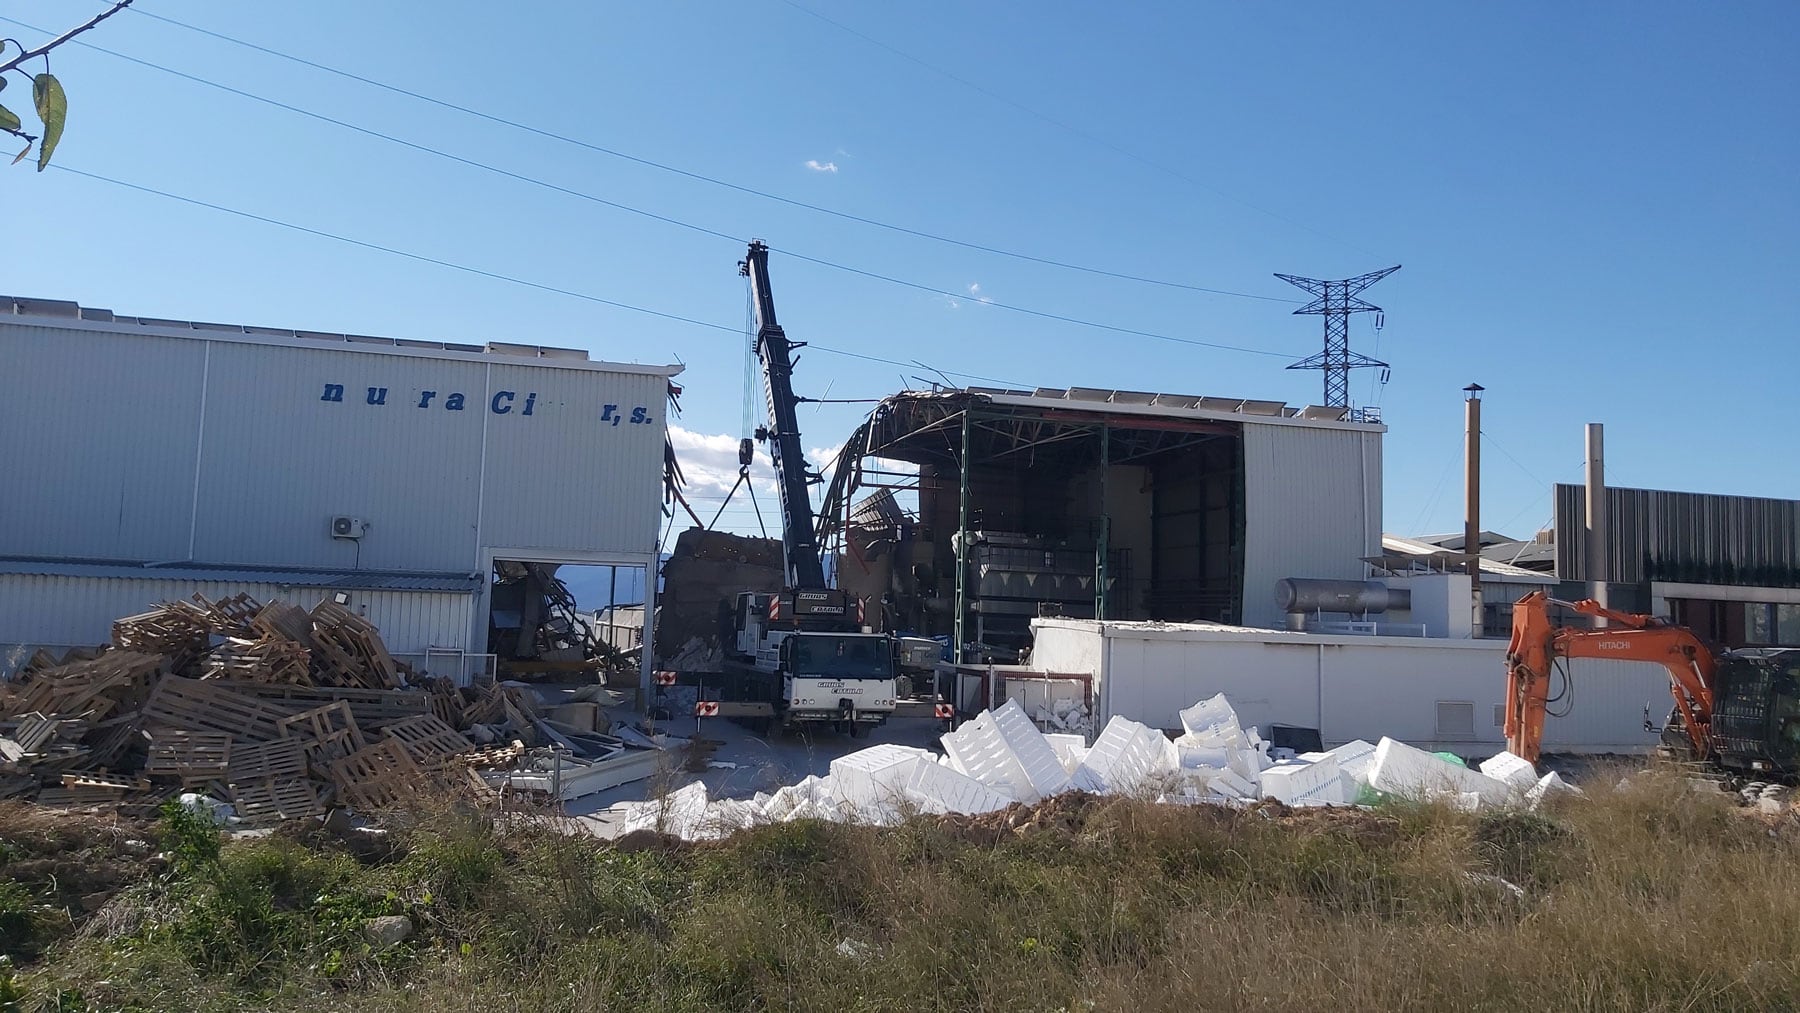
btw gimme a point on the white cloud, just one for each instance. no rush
(818, 166)
(709, 463)
(975, 290)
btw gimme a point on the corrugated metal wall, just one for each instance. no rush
(1682, 536)
(577, 481)
(1312, 508)
(225, 450)
(99, 443)
(64, 611)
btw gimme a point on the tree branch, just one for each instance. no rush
(13, 64)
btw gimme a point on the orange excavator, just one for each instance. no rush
(1739, 710)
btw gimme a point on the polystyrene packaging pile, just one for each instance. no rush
(1125, 759)
(1406, 772)
(1000, 758)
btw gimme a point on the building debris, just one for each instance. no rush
(272, 712)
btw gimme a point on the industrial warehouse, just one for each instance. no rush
(405, 480)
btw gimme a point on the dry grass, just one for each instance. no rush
(1645, 898)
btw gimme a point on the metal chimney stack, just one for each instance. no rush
(1472, 499)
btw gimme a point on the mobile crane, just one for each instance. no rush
(801, 655)
(1736, 710)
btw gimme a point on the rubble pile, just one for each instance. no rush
(262, 713)
(1000, 758)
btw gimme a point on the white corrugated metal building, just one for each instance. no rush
(1434, 693)
(152, 459)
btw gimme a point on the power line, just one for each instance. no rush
(666, 219)
(702, 177)
(494, 275)
(1077, 131)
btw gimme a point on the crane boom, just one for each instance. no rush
(802, 565)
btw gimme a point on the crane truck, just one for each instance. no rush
(1735, 711)
(802, 655)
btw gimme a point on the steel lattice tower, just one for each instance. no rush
(1335, 301)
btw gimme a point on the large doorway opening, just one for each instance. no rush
(567, 621)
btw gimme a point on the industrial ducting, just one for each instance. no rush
(1300, 595)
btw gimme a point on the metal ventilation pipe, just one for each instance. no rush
(1356, 597)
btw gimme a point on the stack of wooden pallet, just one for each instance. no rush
(279, 710)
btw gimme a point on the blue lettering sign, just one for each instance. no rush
(503, 402)
(639, 416)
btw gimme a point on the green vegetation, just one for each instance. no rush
(1640, 899)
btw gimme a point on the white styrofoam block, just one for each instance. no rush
(1213, 721)
(1409, 772)
(726, 816)
(1192, 754)
(978, 750)
(1002, 749)
(875, 779)
(1312, 757)
(1514, 770)
(1229, 782)
(1548, 785)
(1465, 801)
(1042, 769)
(681, 813)
(1065, 745)
(1125, 756)
(1297, 782)
(1354, 758)
(939, 789)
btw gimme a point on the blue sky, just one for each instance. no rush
(1596, 205)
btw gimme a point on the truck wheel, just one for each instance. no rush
(903, 687)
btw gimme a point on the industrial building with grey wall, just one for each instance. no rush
(1100, 503)
(149, 459)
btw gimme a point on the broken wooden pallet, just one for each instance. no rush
(268, 659)
(428, 740)
(265, 803)
(57, 797)
(189, 757)
(97, 780)
(286, 621)
(373, 707)
(277, 759)
(213, 706)
(326, 734)
(379, 775)
(497, 758)
(359, 653)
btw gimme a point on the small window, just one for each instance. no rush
(1499, 715)
(1455, 719)
(1787, 625)
(1759, 623)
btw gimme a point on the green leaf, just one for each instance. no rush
(52, 108)
(20, 157)
(2, 82)
(9, 120)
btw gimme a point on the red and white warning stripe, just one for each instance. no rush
(665, 678)
(944, 711)
(706, 709)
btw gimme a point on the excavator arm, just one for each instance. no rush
(1537, 643)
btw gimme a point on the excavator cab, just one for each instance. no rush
(1756, 712)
